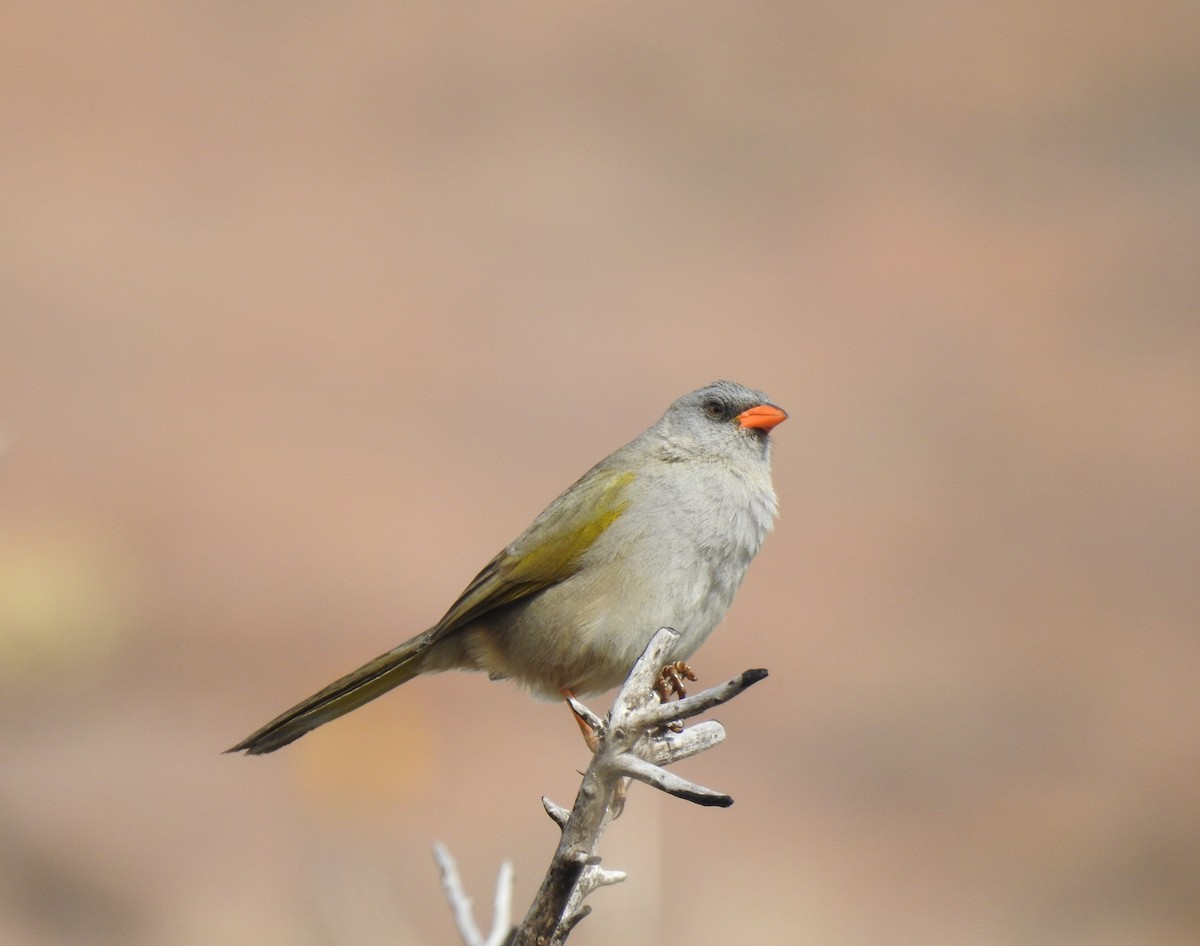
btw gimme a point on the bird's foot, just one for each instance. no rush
(671, 679)
(670, 683)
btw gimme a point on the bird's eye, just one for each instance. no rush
(715, 410)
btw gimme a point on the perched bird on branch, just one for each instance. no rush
(658, 534)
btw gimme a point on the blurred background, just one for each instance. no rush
(307, 309)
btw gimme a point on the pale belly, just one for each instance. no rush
(585, 639)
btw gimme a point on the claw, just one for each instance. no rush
(620, 793)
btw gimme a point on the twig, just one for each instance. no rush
(631, 744)
(460, 903)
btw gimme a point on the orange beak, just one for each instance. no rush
(762, 417)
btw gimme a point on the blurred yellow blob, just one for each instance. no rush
(67, 603)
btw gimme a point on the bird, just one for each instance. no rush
(660, 533)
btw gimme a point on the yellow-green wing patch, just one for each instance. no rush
(548, 552)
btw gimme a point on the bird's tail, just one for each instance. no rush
(350, 692)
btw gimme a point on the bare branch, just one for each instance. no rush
(460, 903)
(689, 706)
(643, 771)
(672, 747)
(502, 907)
(631, 743)
(586, 714)
(558, 814)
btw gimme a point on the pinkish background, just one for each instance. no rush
(307, 309)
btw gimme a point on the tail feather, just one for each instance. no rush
(361, 686)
